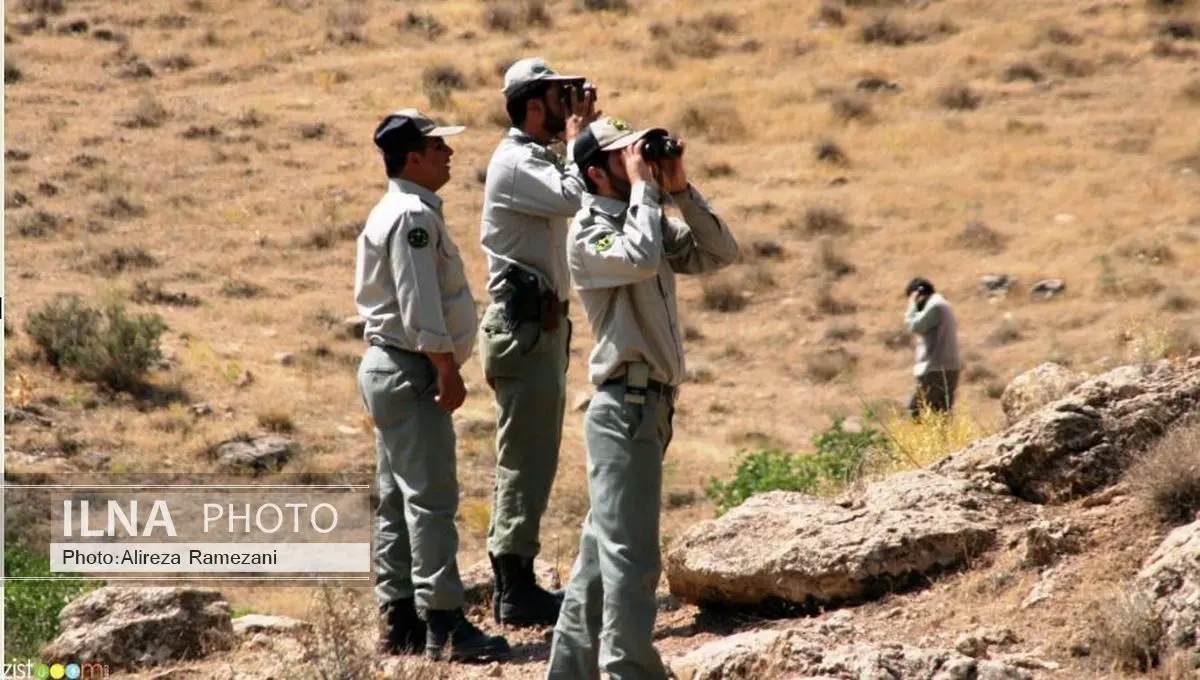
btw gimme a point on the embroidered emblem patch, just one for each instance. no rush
(603, 243)
(418, 238)
(619, 124)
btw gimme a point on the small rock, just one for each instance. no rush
(347, 430)
(1041, 591)
(262, 623)
(245, 379)
(284, 358)
(355, 326)
(969, 644)
(1065, 218)
(1046, 540)
(994, 284)
(199, 410)
(699, 373)
(873, 84)
(1104, 497)
(268, 452)
(1048, 288)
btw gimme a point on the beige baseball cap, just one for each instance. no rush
(407, 124)
(607, 134)
(529, 71)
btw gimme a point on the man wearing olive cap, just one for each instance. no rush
(623, 254)
(420, 328)
(524, 336)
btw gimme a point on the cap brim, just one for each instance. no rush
(446, 131)
(629, 139)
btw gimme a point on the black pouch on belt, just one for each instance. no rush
(523, 302)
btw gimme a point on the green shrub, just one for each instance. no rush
(105, 346)
(839, 459)
(31, 608)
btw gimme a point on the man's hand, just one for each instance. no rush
(912, 299)
(582, 113)
(451, 390)
(670, 173)
(636, 166)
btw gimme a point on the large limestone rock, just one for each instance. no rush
(793, 655)
(1035, 388)
(1080, 443)
(136, 627)
(792, 551)
(257, 454)
(1170, 578)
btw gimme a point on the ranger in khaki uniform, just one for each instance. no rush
(410, 287)
(624, 254)
(525, 334)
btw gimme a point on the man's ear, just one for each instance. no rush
(598, 175)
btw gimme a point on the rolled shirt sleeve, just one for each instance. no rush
(414, 252)
(700, 243)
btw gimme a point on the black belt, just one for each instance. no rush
(659, 388)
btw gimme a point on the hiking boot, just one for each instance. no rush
(404, 631)
(522, 601)
(497, 587)
(452, 628)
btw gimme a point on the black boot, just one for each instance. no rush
(467, 643)
(404, 631)
(497, 587)
(523, 602)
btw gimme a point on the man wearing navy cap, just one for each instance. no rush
(420, 328)
(524, 337)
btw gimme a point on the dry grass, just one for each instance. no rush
(929, 439)
(293, 132)
(1166, 478)
(1127, 632)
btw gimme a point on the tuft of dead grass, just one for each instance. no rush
(849, 108)
(276, 420)
(147, 113)
(822, 219)
(828, 260)
(1166, 477)
(959, 97)
(829, 364)
(1191, 91)
(931, 437)
(440, 80)
(717, 121)
(341, 641)
(721, 295)
(1022, 70)
(1127, 632)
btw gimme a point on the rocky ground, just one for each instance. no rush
(1048, 550)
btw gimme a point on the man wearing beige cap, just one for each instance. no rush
(420, 327)
(525, 334)
(623, 254)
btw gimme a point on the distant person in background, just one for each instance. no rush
(931, 319)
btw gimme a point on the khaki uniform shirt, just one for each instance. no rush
(409, 281)
(528, 199)
(623, 259)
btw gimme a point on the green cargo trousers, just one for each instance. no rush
(527, 369)
(416, 541)
(608, 614)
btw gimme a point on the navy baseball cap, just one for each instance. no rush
(408, 124)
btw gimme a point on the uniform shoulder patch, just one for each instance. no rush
(619, 124)
(418, 237)
(602, 242)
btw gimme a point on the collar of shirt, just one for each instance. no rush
(606, 206)
(427, 197)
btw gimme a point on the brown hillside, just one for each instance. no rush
(220, 149)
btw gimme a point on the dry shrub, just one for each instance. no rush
(1127, 632)
(718, 121)
(425, 24)
(43, 6)
(1167, 5)
(345, 22)
(619, 6)
(1066, 65)
(1167, 49)
(147, 113)
(826, 303)
(1005, 334)
(766, 249)
(241, 289)
(721, 295)
(850, 108)
(824, 220)
(959, 97)
(440, 80)
(122, 258)
(934, 435)
(717, 170)
(1154, 337)
(1166, 478)
(1191, 91)
(1022, 70)
(976, 235)
(828, 151)
(827, 365)
(345, 624)
(829, 261)
(886, 31)
(831, 14)
(1056, 34)
(843, 332)
(276, 420)
(1178, 302)
(506, 18)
